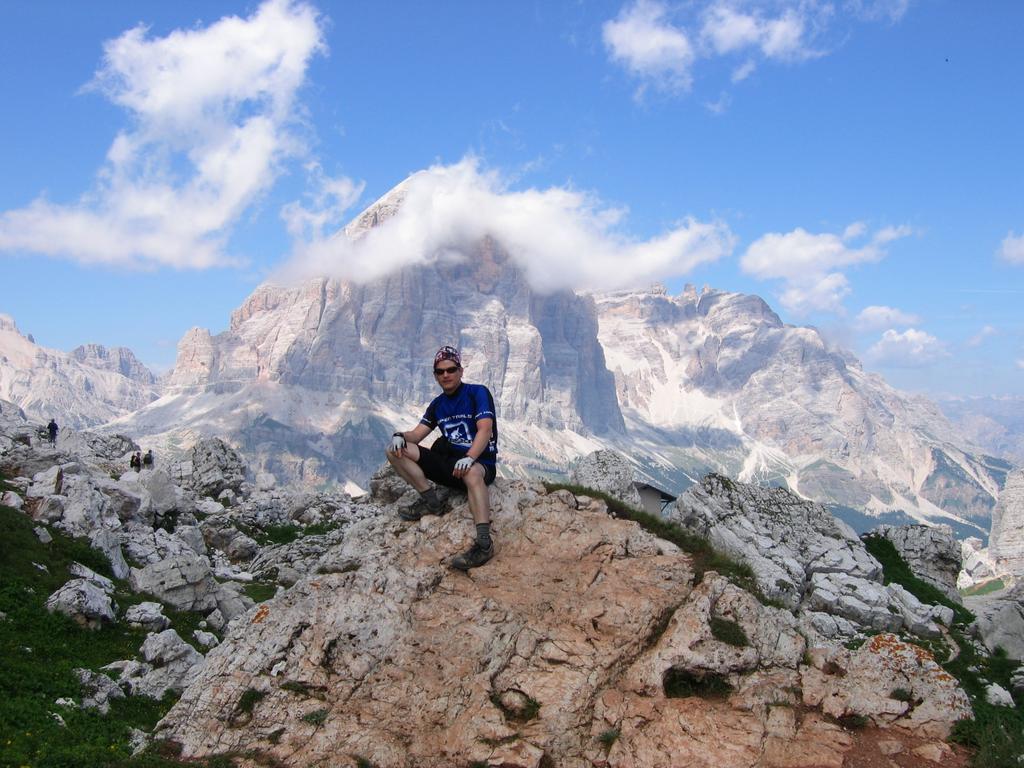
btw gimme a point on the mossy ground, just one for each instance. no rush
(39, 650)
(996, 733)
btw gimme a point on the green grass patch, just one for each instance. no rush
(995, 733)
(278, 534)
(729, 632)
(321, 529)
(609, 737)
(854, 722)
(259, 592)
(680, 684)
(986, 588)
(39, 650)
(896, 570)
(704, 556)
(317, 717)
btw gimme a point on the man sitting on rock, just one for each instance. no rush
(463, 458)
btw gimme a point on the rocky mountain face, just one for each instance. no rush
(1006, 542)
(87, 387)
(118, 359)
(311, 380)
(719, 378)
(586, 641)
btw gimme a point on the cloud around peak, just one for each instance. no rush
(211, 113)
(560, 237)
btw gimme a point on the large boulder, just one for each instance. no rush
(98, 690)
(216, 467)
(84, 601)
(1000, 620)
(931, 551)
(607, 471)
(184, 582)
(889, 681)
(169, 665)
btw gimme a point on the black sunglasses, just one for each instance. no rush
(443, 371)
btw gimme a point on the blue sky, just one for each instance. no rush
(857, 163)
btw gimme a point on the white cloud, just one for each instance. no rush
(875, 10)
(665, 53)
(745, 70)
(1020, 363)
(875, 318)
(726, 29)
(809, 264)
(1012, 249)
(910, 349)
(560, 237)
(720, 106)
(979, 338)
(649, 46)
(328, 201)
(212, 113)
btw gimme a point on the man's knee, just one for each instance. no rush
(475, 477)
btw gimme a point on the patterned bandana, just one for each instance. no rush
(448, 353)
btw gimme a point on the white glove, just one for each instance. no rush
(397, 443)
(463, 465)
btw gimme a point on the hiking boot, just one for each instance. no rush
(420, 508)
(473, 557)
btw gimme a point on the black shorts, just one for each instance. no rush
(439, 469)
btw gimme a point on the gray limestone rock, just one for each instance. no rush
(865, 603)
(82, 572)
(205, 639)
(784, 539)
(98, 690)
(607, 471)
(170, 664)
(216, 467)
(932, 552)
(109, 543)
(83, 601)
(184, 582)
(998, 696)
(977, 564)
(1000, 620)
(11, 499)
(148, 615)
(42, 534)
(1006, 541)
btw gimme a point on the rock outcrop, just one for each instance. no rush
(1006, 541)
(607, 471)
(932, 553)
(1000, 620)
(804, 557)
(583, 626)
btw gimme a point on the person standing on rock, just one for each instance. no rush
(464, 458)
(51, 430)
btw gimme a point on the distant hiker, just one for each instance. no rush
(464, 457)
(147, 460)
(136, 461)
(51, 430)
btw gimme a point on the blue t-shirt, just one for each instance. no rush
(456, 414)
